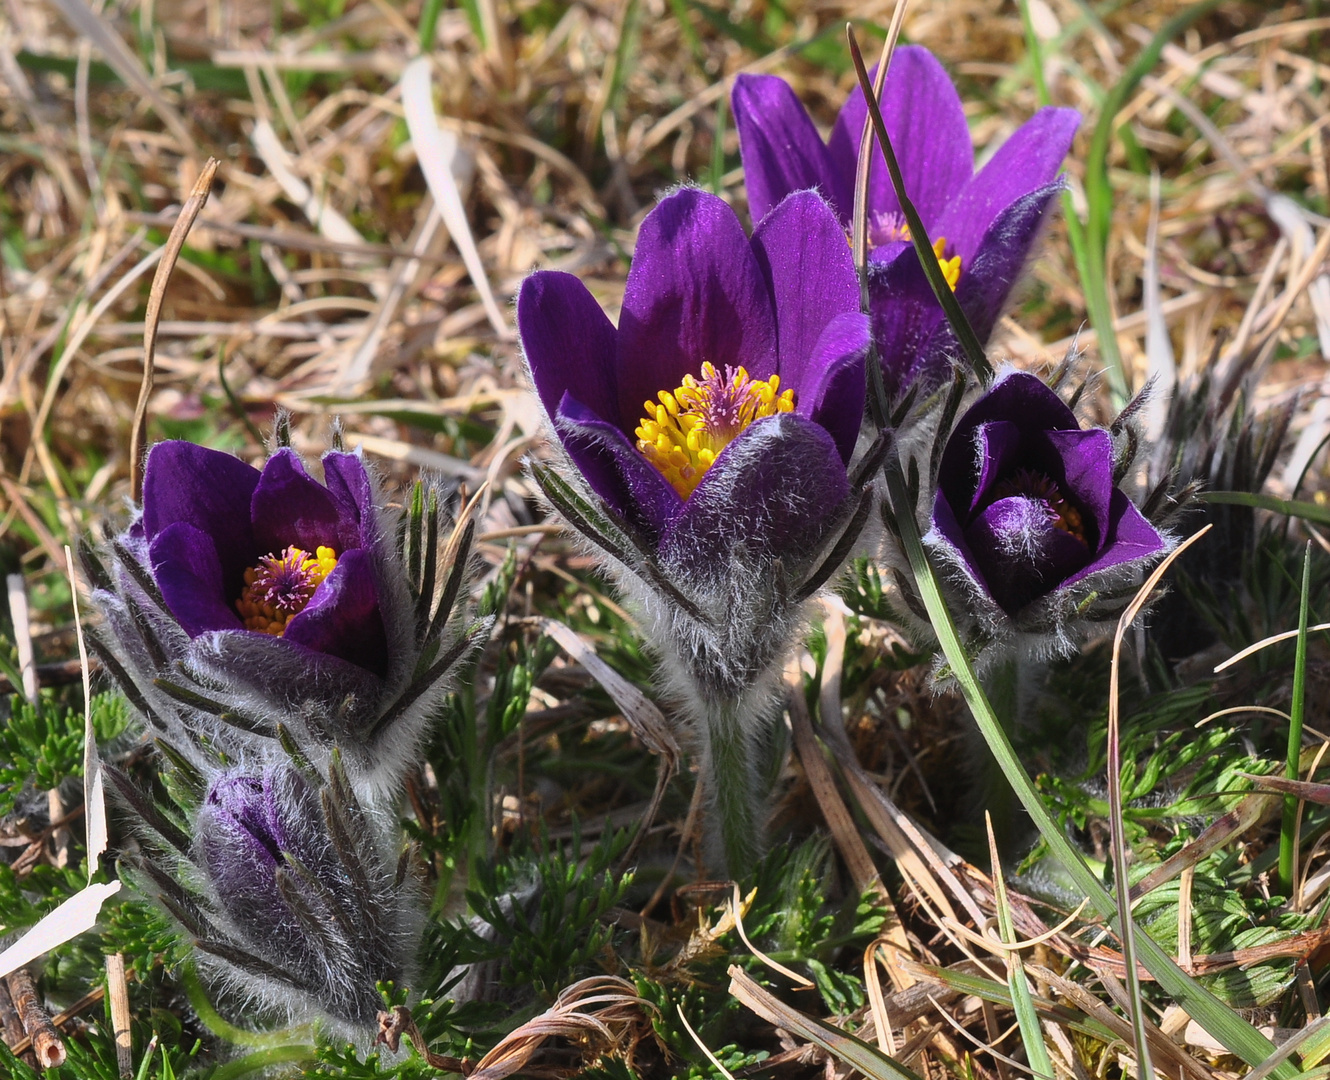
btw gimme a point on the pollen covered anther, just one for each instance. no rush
(891, 227)
(684, 433)
(280, 586)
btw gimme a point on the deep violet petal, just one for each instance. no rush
(342, 618)
(1018, 397)
(1020, 553)
(1027, 161)
(1130, 537)
(187, 569)
(986, 282)
(349, 485)
(291, 507)
(997, 446)
(927, 128)
(834, 398)
(570, 346)
(616, 470)
(694, 293)
(206, 489)
(774, 492)
(809, 270)
(1087, 477)
(781, 149)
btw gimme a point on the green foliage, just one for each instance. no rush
(143, 933)
(548, 909)
(42, 743)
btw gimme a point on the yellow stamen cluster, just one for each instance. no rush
(280, 586)
(683, 434)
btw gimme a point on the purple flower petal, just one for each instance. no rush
(772, 492)
(997, 448)
(1131, 537)
(186, 567)
(291, 507)
(832, 393)
(351, 490)
(987, 280)
(927, 128)
(616, 470)
(694, 293)
(1087, 480)
(208, 490)
(571, 346)
(342, 618)
(905, 313)
(1020, 553)
(781, 149)
(809, 269)
(1030, 159)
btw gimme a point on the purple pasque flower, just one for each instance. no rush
(288, 889)
(242, 599)
(709, 436)
(717, 420)
(272, 553)
(1027, 516)
(982, 224)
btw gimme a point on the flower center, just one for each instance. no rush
(890, 227)
(683, 434)
(280, 586)
(1027, 484)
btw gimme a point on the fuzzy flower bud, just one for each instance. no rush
(288, 890)
(1028, 521)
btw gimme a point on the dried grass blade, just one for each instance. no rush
(841, 1045)
(170, 253)
(75, 916)
(715, 1061)
(94, 785)
(1216, 835)
(1161, 370)
(820, 779)
(1032, 1034)
(1117, 829)
(646, 720)
(435, 150)
(125, 64)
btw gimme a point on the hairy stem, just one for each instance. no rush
(729, 774)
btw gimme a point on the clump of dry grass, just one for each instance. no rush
(317, 281)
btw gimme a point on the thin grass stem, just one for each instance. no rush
(1288, 829)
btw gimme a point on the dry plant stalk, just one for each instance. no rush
(170, 253)
(45, 1039)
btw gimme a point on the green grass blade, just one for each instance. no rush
(1288, 828)
(1288, 507)
(1099, 197)
(1032, 1035)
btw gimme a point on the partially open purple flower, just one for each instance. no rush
(982, 224)
(239, 600)
(1027, 515)
(272, 553)
(712, 428)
